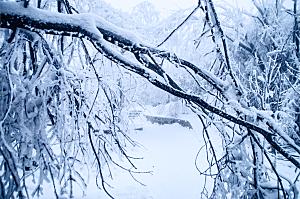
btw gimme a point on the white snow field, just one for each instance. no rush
(169, 151)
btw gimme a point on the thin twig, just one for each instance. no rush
(185, 20)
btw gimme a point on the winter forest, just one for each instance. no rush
(98, 102)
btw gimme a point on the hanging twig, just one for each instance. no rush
(181, 24)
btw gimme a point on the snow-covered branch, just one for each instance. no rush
(102, 34)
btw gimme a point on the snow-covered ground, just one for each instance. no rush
(168, 151)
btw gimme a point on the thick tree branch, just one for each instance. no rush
(102, 34)
(89, 26)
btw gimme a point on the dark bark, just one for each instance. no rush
(12, 20)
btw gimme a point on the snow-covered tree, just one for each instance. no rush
(63, 75)
(145, 13)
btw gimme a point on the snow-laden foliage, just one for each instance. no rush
(57, 109)
(267, 56)
(64, 91)
(264, 55)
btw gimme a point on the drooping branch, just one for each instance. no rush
(102, 34)
(92, 27)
